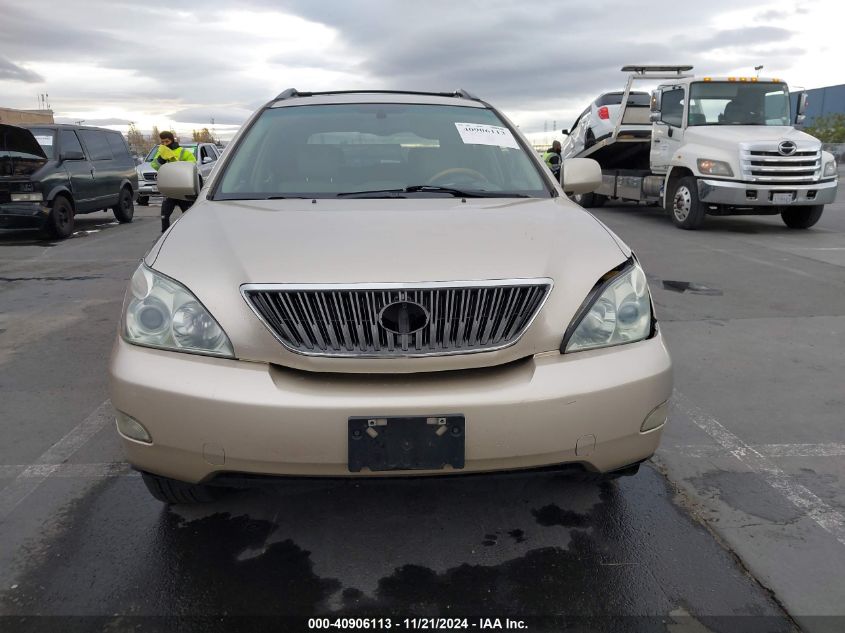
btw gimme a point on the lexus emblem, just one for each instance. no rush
(403, 317)
(787, 148)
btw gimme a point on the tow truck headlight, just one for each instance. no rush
(829, 169)
(714, 167)
(160, 312)
(616, 312)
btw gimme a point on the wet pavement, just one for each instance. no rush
(702, 539)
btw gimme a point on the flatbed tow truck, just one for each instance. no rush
(718, 146)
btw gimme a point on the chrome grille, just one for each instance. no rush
(462, 317)
(765, 164)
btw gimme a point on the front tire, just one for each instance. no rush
(60, 221)
(801, 217)
(175, 492)
(124, 210)
(684, 207)
(589, 200)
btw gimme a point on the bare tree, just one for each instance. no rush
(138, 143)
(203, 136)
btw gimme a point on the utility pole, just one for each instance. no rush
(758, 69)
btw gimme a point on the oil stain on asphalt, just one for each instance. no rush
(379, 548)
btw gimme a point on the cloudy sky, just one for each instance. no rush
(180, 63)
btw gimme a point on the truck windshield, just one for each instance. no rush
(735, 103)
(379, 150)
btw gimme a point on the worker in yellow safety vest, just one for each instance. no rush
(552, 158)
(170, 151)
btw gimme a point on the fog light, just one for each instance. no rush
(656, 418)
(131, 428)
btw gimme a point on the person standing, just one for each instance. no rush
(552, 158)
(170, 151)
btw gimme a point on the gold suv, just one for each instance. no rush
(384, 283)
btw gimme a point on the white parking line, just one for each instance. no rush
(831, 449)
(68, 471)
(51, 460)
(802, 497)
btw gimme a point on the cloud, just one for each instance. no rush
(222, 116)
(12, 72)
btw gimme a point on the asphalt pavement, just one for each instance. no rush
(735, 525)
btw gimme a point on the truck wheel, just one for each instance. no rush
(124, 210)
(143, 201)
(801, 217)
(589, 200)
(684, 206)
(60, 221)
(172, 491)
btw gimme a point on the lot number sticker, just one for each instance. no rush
(481, 134)
(44, 140)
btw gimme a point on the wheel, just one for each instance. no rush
(589, 200)
(143, 201)
(124, 210)
(801, 217)
(684, 206)
(589, 139)
(60, 221)
(173, 491)
(464, 171)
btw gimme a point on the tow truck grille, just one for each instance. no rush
(767, 165)
(349, 321)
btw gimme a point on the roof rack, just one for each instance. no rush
(293, 92)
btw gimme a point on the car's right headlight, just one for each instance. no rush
(617, 311)
(829, 169)
(160, 312)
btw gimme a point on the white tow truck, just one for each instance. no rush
(718, 146)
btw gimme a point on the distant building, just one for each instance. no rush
(18, 117)
(822, 102)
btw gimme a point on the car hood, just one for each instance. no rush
(20, 153)
(218, 246)
(730, 136)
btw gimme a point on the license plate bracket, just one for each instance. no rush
(418, 442)
(783, 197)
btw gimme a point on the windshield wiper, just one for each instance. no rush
(458, 193)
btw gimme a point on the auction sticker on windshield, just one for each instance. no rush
(481, 134)
(44, 140)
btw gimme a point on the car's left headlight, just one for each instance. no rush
(160, 312)
(617, 311)
(829, 169)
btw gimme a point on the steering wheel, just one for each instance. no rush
(457, 170)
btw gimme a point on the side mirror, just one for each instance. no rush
(656, 100)
(73, 155)
(802, 107)
(565, 132)
(179, 180)
(206, 160)
(579, 175)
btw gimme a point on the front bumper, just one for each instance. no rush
(749, 194)
(147, 188)
(209, 415)
(23, 215)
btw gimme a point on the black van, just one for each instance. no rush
(49, 173)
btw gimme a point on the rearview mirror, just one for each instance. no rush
(580, 175)
(179, 180)
(73, 154)
(206, 160)
(565, 132)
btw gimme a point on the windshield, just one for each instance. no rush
(734, 103)
(379, 150)
(152, 152)
(45, 138)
